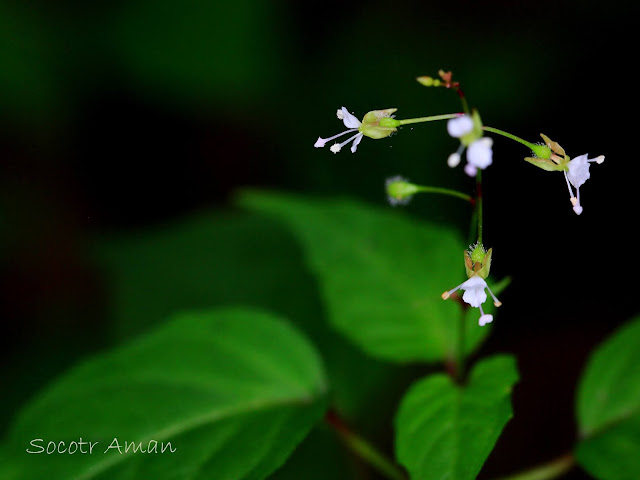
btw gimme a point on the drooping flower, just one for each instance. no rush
(372, 126)
(576, 174)
(479, 149)
(477, 265)
(475, 296)
(575, 171)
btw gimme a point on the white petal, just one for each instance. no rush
(349, 120)
(480, 154)
(453, 160)
(459, 126)
(470, 170)
(474, 293)
(357, 140)
(578, 170)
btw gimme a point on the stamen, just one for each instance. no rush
(557, 159)
(348, 140)
(446, 295)
(598, 160)
(321, 142)
(496, 302)
(571, 197)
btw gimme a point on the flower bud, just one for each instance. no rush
(550, 156)
(399, 190)
(427, 81)
(477, 261)
(379, 123)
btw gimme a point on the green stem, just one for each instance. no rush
(365, 450)
(465, 105)
(433, 118)
(479, 203)
(508, 135)
(444, 191)
(460, 360)
(547, 471)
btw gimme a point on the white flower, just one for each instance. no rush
(352, 124)
(479, 152)
(577, 174)
(475, 296)
(453, 160)
(460, 126)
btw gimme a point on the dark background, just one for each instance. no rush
(125, 115)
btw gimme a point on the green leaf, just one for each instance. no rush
(382, 274)
(239, 258)
(608, 407)
(445, 431)
(233, 391)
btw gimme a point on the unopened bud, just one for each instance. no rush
(400, 190)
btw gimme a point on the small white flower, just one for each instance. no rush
(352, 124)
(470, 169)
(453, 160)
(475, 296)
(480, 154)
(577, 174)
(460, 126)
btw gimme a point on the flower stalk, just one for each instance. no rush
(547, 471)
(363, 449)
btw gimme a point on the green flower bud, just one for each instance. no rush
(550, 156)
(426, 81)
(400, 191)
(379, 124)
(478, 261)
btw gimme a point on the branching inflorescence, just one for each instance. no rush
(466, 126)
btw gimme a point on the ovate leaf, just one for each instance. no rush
(233, 391)
(446, 431)
(608, 407)
(382, 274)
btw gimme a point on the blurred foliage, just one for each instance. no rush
(230, 258)
(233, 391)
(381, 274)
(608, 407)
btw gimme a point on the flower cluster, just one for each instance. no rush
(479, 148)
(576, 171)
(468, 128)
